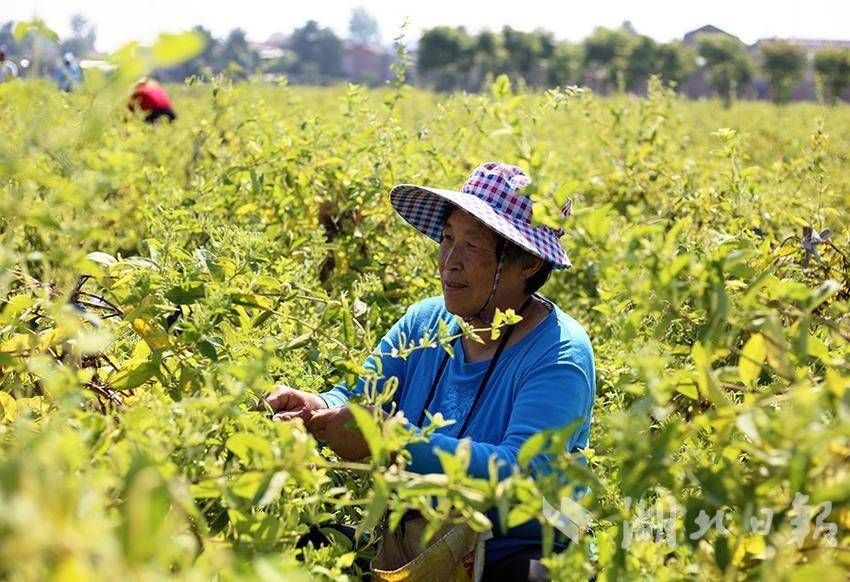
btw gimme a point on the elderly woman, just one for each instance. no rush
(538, 375)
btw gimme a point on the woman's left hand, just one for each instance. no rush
(329, 427)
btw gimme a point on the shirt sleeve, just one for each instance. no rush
(552, 396)
(379, 362)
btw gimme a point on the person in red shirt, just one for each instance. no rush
(152, 99)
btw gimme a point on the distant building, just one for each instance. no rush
(807, 89)
(691, 38)
(697, 86)
(99, 61)
(361, 63)
(366, 64)
(275, 47)
(275, 54)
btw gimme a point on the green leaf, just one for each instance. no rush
(173, 49)
(523, 513)
(186, 293)
(14, 306)
(721, 553)
(501, 87)
(146, 503)
(134, 375)
(689, 390)
(752, 359)
(100, 258)
(370, 430)
(377, 504)
(207, 349)
(707, 382)
(251, 485)
(747, 425)
(296, 342)
(246, 445)
(207, 489)
(449, 348)
(496, 329)
(8, 407)
(348, 331)
(479, 522)
(261, 318)
(540, 215)
(777, 348)
(450, 463)
(531, 448)
(824, 572)
(824, 291)
(21, 30)
(346, 560)
(425, 487)
(816, 348)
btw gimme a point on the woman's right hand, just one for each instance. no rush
(289, 403)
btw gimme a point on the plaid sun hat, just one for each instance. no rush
(491, 194)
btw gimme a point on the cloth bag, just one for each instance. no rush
(454, 554)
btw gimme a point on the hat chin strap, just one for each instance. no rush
(480, 313)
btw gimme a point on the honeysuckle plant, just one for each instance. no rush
(150, 295)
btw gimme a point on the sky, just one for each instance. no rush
(119, 21)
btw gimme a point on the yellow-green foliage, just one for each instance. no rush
(155, 280)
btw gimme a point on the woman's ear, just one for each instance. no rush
(534, 265)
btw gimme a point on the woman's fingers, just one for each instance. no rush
(282, 398)
(326, 425)
(320, 419)
(287, 416)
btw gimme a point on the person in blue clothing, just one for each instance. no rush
(538, 375)
(8, 69)
(68, 74)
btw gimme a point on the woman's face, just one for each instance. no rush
(468, 263)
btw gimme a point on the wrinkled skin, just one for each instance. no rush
(468, 264)
(328, 425)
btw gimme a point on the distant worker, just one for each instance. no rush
(8, 69)
(68, 75)
(152, 99)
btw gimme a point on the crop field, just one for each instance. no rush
(156, 281)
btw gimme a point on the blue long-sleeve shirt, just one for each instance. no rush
(68, 76)
(545, 380)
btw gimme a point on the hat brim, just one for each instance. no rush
(426, 209)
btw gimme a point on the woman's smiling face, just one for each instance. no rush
(468, 263)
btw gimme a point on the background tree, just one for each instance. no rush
(7, 39)
(783, 65)
(727, 63)
(39, 44)
(833, 70)
(489, 58)
(82, 39)
(237, 56)
(605, 57)
(641, 62)
(675, 62)
(565, 65)
(318, 52)
(363, 28)
(528, 54)
(445, 57)
(205, 62)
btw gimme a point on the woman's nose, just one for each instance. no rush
(453, 258)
